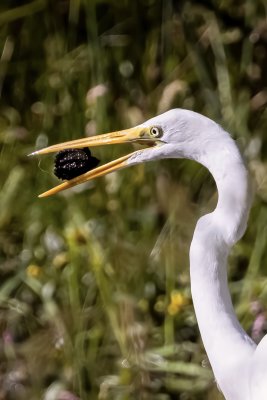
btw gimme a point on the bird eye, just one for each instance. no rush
(156, 132)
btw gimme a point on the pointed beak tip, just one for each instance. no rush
(45, 194)
(34, 153)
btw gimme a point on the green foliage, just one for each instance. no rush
(95, 292)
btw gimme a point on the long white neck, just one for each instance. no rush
(228, 347)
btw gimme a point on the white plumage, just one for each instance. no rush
(239, 366)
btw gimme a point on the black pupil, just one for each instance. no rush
(155, 131)
(74, 162)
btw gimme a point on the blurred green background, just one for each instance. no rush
(95, 292)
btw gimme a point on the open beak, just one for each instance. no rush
(139, 134)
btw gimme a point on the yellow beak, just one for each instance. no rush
(139, 134)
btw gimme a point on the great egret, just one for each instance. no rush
(239, 365)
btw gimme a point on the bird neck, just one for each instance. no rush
(234, 192)
(228, 346)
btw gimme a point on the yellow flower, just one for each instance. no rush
(178, 300)
(60, 260)
(33, 271)
(173, 309)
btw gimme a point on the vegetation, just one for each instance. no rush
(95, 291)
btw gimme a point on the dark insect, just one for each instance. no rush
(74, 162)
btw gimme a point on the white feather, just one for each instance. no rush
(239, 366)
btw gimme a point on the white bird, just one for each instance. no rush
(239, 365)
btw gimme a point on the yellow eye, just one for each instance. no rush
(156, 132)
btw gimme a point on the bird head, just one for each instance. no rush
(169, 135)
